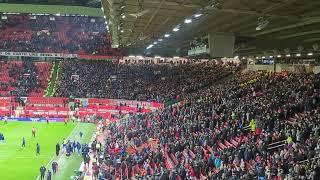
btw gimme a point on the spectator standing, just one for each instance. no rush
(42, 172)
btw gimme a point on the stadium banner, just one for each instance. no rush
(32, 54)
(51, 113)
(132, 103)
(33, 119)
(146, 104)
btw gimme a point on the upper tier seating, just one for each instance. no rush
(55, 34)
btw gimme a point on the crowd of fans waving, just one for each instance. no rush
(256, 125)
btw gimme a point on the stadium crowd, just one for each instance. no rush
(22, 78)
(257, 125)
(135, 81)
(54, 34)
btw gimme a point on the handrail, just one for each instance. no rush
(276, 146)
(276, 142)
(308, 160)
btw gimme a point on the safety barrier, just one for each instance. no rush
(55, 107)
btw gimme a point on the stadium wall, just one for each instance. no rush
(285, 67)
(260, 67)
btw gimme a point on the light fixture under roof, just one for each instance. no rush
(279, 56)
(310, 54)
(105, 17)
(160, 40)
(298, 55)
(176, 29)
(176, 57)
(187, 21)
(198, 15)
(155, 43)
(132, 56)
(263, 57)
(167, 35)
(157, 57)
(123, 16)
(288, 55)
(270, 56)
(150, 46)
(262, 23)
(122, 31)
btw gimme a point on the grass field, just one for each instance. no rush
(18, 163)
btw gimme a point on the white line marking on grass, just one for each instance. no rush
(59, 157)
(64, 161)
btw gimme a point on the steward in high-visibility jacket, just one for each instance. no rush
(289, 140)
(252, 125)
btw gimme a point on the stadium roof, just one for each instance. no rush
(289, 24)
(147, 20)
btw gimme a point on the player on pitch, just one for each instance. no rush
(34, 131)
(23, 143)
(38, 149)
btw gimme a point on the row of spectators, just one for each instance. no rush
(135, 82)
(54, 34)
(206, 136)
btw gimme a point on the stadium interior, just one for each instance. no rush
(159, 89)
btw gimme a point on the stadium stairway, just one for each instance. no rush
(53, 79)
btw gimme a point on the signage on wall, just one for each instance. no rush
(33, 54)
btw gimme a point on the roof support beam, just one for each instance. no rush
(167, 3)
(311, 40)
(303, 23)
(255, 13)
(241, 24)
(174, 4)
(248, 5)
(213, 25)
(153, 15)
(279, 5)
(299, 34)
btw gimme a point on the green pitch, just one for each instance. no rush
(17, 163)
